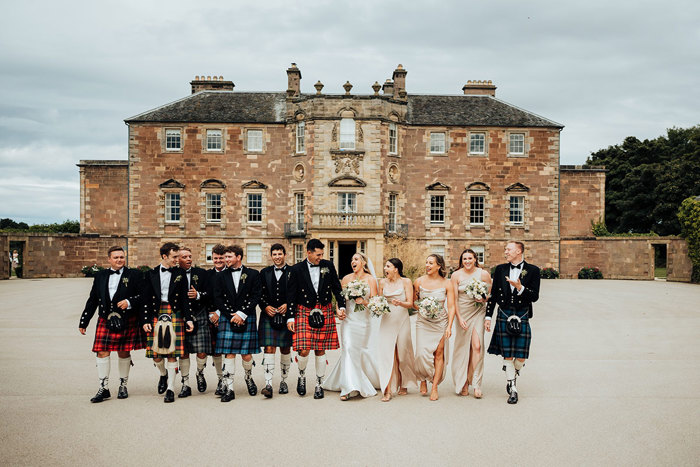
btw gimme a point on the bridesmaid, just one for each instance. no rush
(468, 353)
(396, 359)
(432, 334)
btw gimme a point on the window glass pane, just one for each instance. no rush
(479, 250)
(255, 140)
(392, 138)
(172, 140)
(438, 250)
(392, 212)
(476, 143)
(254, 253)
(347, 133)
(254, 207)
(347, 202)
(208, 248)
(437, 209)
(299, 211)
(517, 143)
(476, 209)
(301, 129)
(213, 140)
(213, 207)
(517, 209)
(437, 142)
(298, 252)
(172, 207)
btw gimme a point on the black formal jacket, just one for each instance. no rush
(502, 296)
(274, 292)
(177, 295)
(199, 279)
(211, 288)
(229, 300)
(300, 289)
(130, 288)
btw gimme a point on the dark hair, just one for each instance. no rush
(278, 246)
(314, 243)
(111, 249)
(468, 250)
(235, 249)
(441, 262)
(219, 249)
(167, 248)
(521, 245)
(397, 264)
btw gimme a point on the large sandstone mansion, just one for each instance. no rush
(353, 169)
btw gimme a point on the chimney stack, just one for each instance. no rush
(293, 81)
(479, 88)
(203, 83)
(388, 88)
(399, 82)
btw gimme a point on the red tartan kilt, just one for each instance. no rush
(308, 338)
(132, 338)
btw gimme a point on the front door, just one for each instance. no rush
(345, 252)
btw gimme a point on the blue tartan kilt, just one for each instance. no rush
(200, 342)
(509, 346)
(267, 336)
(243, 343)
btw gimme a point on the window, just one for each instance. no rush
(517, 209)
(299, 212)
(214, 140)
(392, 212)
(347, 202)
(437, 209)
(331, 251)
(477, 143)
(363, 247)
(301, 130)
(517, 143)
(479, 250)
(438, 250)
(298, 252)
(172, 207)
(347, 133)
(393, 132)
(254, 253)
(173, 140)
(255, 210)
(255, 140)
(213, 207)
(208, 252)
(437, 143)
(476, 209)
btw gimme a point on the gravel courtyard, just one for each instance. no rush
(614, 379)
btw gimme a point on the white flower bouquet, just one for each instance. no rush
(476, 289)
(430, 307)
(356, 289)
(378, 306)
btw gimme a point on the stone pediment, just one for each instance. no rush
(478, 186)
(171, 183)
(347, 181)
(437, 186)
(518, 187)
(212, 183)
(254, 184)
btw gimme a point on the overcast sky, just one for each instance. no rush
(72, 71)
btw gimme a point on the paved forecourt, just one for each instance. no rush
(614, 378)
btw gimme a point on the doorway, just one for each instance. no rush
(16, 266)
(345, 252)
(660, 260)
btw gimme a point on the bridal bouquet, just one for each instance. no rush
(430, 307)
(378, 306)
(476, 289)
(356, 289)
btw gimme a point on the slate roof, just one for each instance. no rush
(270, 107)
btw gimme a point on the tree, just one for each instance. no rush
(689, 217)
(646, 181)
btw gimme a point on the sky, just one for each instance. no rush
(72, 71)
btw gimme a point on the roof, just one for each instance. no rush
(270, 107)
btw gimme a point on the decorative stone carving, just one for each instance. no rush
(393, 173)
(360, 134)
(347, 86)
(376, 87)
(334, 133)
(299, 172)
(318, 86)
(347, 163)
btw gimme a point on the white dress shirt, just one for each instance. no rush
(164, 283)
(514, 275)
(236, 276)
(278, 272)
(218, 313)
(189, 282)
(113, 284)
(315, 273)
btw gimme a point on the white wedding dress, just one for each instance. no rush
(355, 372)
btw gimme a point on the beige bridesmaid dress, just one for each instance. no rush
(395, 336)
(474, 316)
(428, 335)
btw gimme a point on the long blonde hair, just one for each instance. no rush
(365, 268)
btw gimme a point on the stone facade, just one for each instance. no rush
(5, 267)
(103, 197)
(582, 199)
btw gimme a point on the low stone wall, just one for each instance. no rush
(624, 257)
(5, 263)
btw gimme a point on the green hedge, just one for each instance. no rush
(549, 273)
(590, 273)
(689, 217)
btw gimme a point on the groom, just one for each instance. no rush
(311, 284)
(516, 286)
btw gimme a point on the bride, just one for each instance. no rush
(355, 373)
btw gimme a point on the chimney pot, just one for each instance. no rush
(217, 83)
(479, 88)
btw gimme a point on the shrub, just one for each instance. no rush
(550, 273)
(411, 253)
(689, 217)
(90, 271)
(590, 273)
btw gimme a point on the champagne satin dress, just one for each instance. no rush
(473, 313)
(429, 332)
(395, 336)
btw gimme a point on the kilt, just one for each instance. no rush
(132, 338)
(509, 346)
(213, 330)
(308, 338)
(178, 327)
(268, 336)
(239, 343)
(200, 342)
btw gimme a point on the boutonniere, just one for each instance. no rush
(523, 273)
(243, 277)
(195, 278)
(125, 281)
(177, 279)
(324, 271)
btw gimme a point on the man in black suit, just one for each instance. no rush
(165, 293)
(516, 286)
(218, 257)
(116, 292)
(199, 341)
(273, 306)
(237, 293)
(311, 284)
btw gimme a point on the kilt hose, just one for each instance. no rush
(239, 343)
(506, 345)
(131, 338)
(308, 338)
(178, 327)
(267, 336)
(201, 341)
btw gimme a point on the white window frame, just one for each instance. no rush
(477, 139)
(211, 208)
(171, 136)
(173, 212)
(477, 209)
(516, 144)
(298, 252)
(393, 217)
(438, 249)
(214, 140)
(254, 140)
(299, 211)
(480, 253)
(300, 134)
(347, 202)
(253, 253)
(516, 210)
(438, 142)
(393, 138)
(347, 134)
(437, 210)
(249, 209)
(208, 253)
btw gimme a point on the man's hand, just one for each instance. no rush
(147, 328)
(123, 305)
(515, 283)
(487, 325)
(237, 319)
(214, 318)
(82, 331)
(290, 326)
(190, 326)
(341, 314)
(192, 293)
(282, 309)
(270, 311)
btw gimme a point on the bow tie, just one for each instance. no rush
(112, 271)
(235, 269)
(513, 266)
(189, 270)
(279, 269)
(162, 269)
(313, 265)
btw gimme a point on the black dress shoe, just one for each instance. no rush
(267, 391)
(185, 392)
(169, 396)
(301, 386)
(220, 391)
(318, 392)
(122, 393)
(228, 396)
(162, 384)
(102, 394)
(201, 381)
(508, 388)
(283, 388)
(252, 388)
(513, 398)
